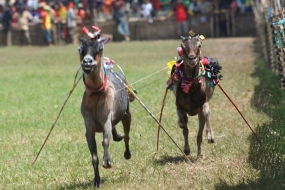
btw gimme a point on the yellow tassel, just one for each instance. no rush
(170, 64)
(201, 37)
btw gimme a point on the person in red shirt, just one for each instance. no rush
(181, 15)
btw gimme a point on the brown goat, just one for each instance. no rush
(105, 103)
(193, 85)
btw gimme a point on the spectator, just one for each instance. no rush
(17, 4)
(186, 3)
(33, 4)
(134, 5)
(99, 7)
(62, 21)
(56, 21)
(13, 12)
(35, 14)
(24, 17)
(46, 14)
(107, 8)
(241, 5)
(165, 5)
(180, 11)
(91, 10)
(146, 10)
(121, 19)
(6, 23)
(80, 14)
(248, 6)
(71, 23)
(1, 13)
(194, 7)
(204, 7)
(157, 8)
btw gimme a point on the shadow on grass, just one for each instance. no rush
(173, 159)
(269, 158)
(82, 185)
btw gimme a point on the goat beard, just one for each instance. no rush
(189, 63)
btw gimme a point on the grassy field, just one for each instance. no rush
(35, 81)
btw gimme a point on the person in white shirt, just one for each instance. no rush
(146, 10)
(71, 23)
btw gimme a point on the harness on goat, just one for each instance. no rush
(207, 66)
(96, 90)
(108, 64)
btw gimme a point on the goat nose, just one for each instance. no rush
(87, 60)
(192, 57)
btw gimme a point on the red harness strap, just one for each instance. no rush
(96, 90)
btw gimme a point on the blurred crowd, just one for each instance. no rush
(65, 15)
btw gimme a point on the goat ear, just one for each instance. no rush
(100, 40)
(80, 48)
(183, 45)
(81, 39)
(101, 43)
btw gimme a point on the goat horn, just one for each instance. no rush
(201, 37)
(183, 38)
(191, 33)
(97, 30)
(86, 31)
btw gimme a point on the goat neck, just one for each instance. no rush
(190, 72)
(96, 80)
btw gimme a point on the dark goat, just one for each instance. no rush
(105, 103)
(193, 85)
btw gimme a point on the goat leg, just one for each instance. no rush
(209, 130)
(126, 121)
(116, 136)
(105, 143)
(90, 138)
(202, 121)
(182, 122)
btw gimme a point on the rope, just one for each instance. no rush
(142, 78)
(60, 111)
(150, 113)
(160, 117)
(240, 113)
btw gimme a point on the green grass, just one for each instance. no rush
(36, 80)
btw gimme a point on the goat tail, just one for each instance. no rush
(131, 92)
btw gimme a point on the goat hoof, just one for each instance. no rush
(118, 137)
(127, 155)
(107, 164)
(97, 183)
(211, 141)
(187, 151)
(200, 156)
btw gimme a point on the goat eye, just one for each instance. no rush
(80, 49)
